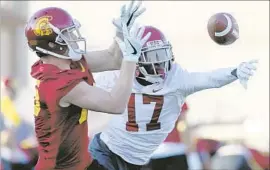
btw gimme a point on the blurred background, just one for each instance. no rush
(231, 115)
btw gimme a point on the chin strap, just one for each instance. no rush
(151, 79)
(72, 55)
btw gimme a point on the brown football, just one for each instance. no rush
(223, 28)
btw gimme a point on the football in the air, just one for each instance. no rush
(223, 28)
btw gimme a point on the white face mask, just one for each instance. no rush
(72, 38)
(155, 61)
(75, 56)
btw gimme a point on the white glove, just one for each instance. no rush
(132, 45)
(128, 16)
(245, 70)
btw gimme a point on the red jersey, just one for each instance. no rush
(62, 132)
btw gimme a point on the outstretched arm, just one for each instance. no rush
(197, 81)
(111, 58)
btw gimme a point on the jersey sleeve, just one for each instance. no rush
(191, 82)
(66, 84)
(53, 90)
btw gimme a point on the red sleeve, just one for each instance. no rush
(53, 90)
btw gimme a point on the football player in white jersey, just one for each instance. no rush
(159, 91)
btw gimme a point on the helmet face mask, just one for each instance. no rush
(71, 37)
(156, 62)
(156, 57)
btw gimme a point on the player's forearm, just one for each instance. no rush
(122, 89)
(105, 60)
(116, 54)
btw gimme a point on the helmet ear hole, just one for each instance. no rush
(57, 48)
(52, 45)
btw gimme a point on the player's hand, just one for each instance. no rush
(132, 45)
(128, 15)
(245, 70)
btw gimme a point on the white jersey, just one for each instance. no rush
(153, 110)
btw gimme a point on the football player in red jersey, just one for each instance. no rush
(64, 89)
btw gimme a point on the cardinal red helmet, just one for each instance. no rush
(156, 58)
(52, 31)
